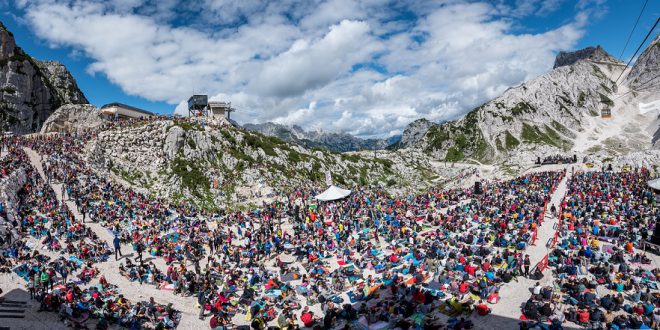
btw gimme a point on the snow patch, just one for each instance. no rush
(645, 108)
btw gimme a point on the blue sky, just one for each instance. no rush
(364, 67)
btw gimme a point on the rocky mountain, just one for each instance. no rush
(414, 132)
(338, 142)
(217, 164)
(31, 90)
(644, 75)
(558, 112)
(72, 118)
(594, 54)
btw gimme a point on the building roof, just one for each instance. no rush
(121, 105)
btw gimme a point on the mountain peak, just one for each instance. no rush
(643, 76)
(31, 90)
(590, 53)
(415, 132)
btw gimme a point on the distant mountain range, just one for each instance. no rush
(338, 142)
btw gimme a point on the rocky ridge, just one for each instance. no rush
(31, 90)
(219, 165)
(594, 54)
(555, 113)
(644, 76)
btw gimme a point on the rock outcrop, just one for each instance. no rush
(63, 82)
(414, 133)
(31, 90)
(211, 165)
(645, 73)
(9, 187)
(595, 54)
(72, 118)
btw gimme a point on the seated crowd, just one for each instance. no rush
(603, 279)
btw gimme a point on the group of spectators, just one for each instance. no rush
(61, 278)
(369, 260)
(603, 280)
(557, 159)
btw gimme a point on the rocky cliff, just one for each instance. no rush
(31, 90)
(644, 76)
(9, 187)
(72, 118)
(338, 142)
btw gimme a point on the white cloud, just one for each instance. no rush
(366, 67)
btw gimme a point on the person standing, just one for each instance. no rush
(116, 242)
(201, 300)
(526, 264)
(139, 248)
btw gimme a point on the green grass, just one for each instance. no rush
(522, 107)
(534, 134)
(498, 145)
(606, 100)
(510, 141)
(188, 126)
(562, 129)
(454, 155)
(581, 98)
(192, 177)
(228, 136)
(258, 141)
(351, 158)
(293, 157)
(607, 89)
(598, 73)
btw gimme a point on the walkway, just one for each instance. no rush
(513, 295)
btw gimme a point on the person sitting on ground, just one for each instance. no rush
(482, 308)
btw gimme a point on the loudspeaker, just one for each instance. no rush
(538, 160)
(477, 188)
(574, 158)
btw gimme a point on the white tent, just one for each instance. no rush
(333, 193)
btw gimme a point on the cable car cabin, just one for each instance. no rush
(606, 113)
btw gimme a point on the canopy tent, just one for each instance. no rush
(333, 193)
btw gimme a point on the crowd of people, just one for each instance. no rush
(603, 280)
(369, 260)
(557, 159)
(60, 279)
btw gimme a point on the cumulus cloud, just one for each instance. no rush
(365, 67)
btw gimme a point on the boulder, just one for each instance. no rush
(71, 118)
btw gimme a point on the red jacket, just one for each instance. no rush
(307, 319)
